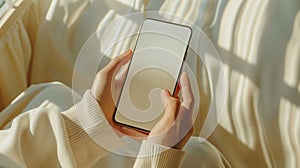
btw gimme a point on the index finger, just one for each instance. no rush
(186, 91)
(115, 61)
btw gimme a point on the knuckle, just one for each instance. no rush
(190, 103)
(169, 120)
(173, 101)
(115, 60)
(191, 97)
(101, 73)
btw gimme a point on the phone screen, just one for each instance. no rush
(155, 65)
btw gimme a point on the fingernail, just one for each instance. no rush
(163, 96)
(127, 51)
(184, 73)
(163, 93)
(166, 93)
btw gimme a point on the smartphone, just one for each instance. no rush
(155, 65)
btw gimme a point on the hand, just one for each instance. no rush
(108, 80)
(176, 126)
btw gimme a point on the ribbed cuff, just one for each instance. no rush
(88, 115)
(154, 155)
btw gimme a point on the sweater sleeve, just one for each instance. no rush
(78, 137)
(36, 138)
(157, 156)
(44, 137)
(90, 135)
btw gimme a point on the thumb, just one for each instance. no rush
(165, 94)
(171, 105)
(115, 61)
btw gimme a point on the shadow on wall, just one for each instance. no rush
(260, 45)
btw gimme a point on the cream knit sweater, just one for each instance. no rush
(44, 137)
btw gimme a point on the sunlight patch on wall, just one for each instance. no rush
(230, 15)
(225, 121)
(241, 28)
(289, 124)
(249, 30)
(292, 57)
(243, 93)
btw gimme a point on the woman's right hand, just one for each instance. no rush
(176, 126)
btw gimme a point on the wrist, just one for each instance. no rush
(94, 122)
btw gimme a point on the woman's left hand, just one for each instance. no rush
(106, 88)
